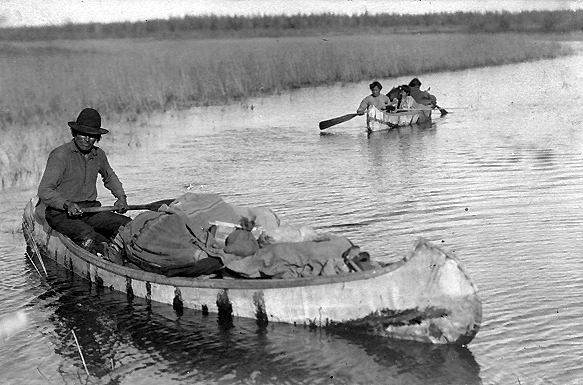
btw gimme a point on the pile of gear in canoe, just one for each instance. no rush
(201, 234)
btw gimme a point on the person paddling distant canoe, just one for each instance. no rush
(421, 97)
(375, 98)
(69, 184)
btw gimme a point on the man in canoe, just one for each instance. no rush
(375, 99)
(421, 97)
(68, 186)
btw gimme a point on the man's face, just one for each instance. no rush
(376, 91)
(85, 142)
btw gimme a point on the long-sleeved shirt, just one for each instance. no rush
(70, 176)
(380, 102)
(423, 97)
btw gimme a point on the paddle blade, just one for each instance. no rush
(332, 122)
(442, 110)
(154, 206)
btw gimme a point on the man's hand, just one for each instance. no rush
(121, 205)
(73, 209)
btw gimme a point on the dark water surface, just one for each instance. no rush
(499, 182)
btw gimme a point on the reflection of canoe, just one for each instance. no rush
(427, 296)
(377, 120)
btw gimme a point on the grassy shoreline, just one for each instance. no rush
(128, 79)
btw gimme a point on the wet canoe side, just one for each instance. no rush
(427, 296)
(377, 120)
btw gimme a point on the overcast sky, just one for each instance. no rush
(42, 12)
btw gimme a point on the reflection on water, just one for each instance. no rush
(498, 184)
(126, 340)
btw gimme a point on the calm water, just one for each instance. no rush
(498, 182)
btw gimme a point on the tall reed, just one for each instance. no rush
(44, 85)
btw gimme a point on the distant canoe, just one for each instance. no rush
(427, 296)
(377, 120)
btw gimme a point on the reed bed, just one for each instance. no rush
(46, 84)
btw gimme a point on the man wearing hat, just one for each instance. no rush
(68, 186)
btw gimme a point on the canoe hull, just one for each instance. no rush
(405, 300)
(377, 120)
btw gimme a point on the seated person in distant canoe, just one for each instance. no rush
(68, 186)
(406, 101)
(401, 99)
(422, 97)
(374, 99)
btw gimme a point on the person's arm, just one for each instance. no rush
(428, 99)
(433, 100)
(52, 177)
(363, 106)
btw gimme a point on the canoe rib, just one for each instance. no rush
(427, 296)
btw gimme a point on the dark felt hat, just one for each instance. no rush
(88, 122)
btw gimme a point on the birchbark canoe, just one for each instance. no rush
(377, 120)
(427, 296)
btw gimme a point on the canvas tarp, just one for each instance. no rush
(295, 259)
(176, 237)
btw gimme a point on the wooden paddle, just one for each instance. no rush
(154, 206)
(332, 122)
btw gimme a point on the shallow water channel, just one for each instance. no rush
(498, 181)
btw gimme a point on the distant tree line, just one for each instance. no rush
(302, 24)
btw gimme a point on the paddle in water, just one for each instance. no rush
(332, 122)
(442, 110)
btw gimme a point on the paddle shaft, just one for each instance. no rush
(437, 107)
(112, 208)
(154, 206)
(442, 110)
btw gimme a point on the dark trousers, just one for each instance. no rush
(97, 227)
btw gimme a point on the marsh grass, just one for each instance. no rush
(46, 84)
